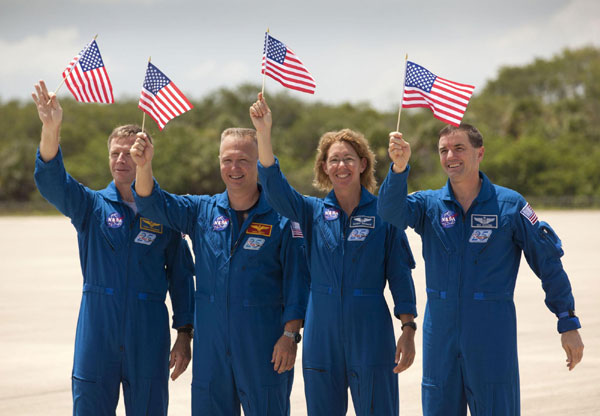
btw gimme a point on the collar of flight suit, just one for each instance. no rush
(366, 197)
(111, 193)
(261, 207)
(486, 192)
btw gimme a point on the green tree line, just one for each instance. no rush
(540, 124)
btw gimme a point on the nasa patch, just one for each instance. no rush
(145, 238)
(480, 236)
(220, 223)
(331, 214)
(484, 221)
(114, 220)
(358, 234)
(448, 219)
(362, 221)
(254, 243)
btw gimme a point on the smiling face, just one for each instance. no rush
(122, 166)
(238, 157)
(343, 166)
(459, 159)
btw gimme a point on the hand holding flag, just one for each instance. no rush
(447, 100)
(281, 64)
(160, 98)
(86, 76)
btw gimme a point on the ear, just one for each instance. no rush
(480, 153)
(324, 167)
(363, 164)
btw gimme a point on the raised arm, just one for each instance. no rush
(281, 196)
(142, 153)
(50, 113)
(260, 113)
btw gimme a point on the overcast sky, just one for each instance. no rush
(353, 48)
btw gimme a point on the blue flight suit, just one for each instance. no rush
(348, 336)
(471, 263)
(251, 279)
(128, 264)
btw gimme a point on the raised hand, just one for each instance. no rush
(48, 107)
(260, 113)
(142, 150)
(399, 151)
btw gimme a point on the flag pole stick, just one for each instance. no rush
(402, 96)
(70, 69)
(144, 116)
(265, 72)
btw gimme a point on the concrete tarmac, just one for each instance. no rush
(40, 291)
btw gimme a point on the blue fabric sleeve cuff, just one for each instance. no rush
(568, 324)
(53, 163)
(183, 319)
(403, 308)
(292, 312)
(403, 173)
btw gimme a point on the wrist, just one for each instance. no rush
(409, 327)
(397, 168)
(186, 332)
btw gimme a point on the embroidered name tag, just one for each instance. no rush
(149, 225)
(257, 228)
(484, 221)
(362, 221)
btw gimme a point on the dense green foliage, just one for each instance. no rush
(539, 122)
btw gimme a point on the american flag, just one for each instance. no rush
(284, 66)
(447, 99)
(86, 77)
(296, 230)
(529, 213)
(160, 98)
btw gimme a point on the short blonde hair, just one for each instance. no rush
(360, 145)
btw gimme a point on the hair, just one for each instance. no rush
(360, 145)
(240, 132)
(474, 135)
(125, 131)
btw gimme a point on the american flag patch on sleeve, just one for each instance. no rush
(296, 230)
(529, 213)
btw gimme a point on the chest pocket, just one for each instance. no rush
(327, 232)
(113, 226)
(434, 218)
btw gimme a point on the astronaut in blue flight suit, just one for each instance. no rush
(473, 234)
(128, 263)
(251, 282)
(348, 337)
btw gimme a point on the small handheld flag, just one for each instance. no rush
(86, 76)
(447, 99)
(160, 98)
(281, 64)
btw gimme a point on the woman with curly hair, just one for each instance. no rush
(348, 338)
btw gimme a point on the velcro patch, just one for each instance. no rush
(296, 230)
(257, 228)
(484, 221)
(358, 234)
(362, 221)
(145, 238)
(254, 243)
(480, 236)
(529, 213)
(149, 225)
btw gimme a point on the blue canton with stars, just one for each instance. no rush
(155, 80)
(419, 77)
(276, 50)
(91, 58)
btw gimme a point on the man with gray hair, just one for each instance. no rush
(251, 282)
(129, 263)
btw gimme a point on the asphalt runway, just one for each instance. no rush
(40, 291)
